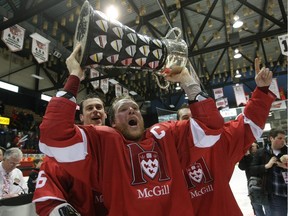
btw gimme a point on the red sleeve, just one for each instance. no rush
(44, 208)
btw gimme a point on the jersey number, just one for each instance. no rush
(41, 180)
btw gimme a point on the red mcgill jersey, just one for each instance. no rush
(209, 163)
(147, 177)
(55, 186)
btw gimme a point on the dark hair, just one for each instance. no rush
(183, 106)
(111, 111)
(275, 131)
(86, 98)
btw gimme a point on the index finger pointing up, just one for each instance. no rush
(257, 65)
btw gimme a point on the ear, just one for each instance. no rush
(81, 118)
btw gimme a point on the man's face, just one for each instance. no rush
(93, 112)
(254, 147)
(278, 142)
(10, 164)
(128, 119)
(184, 114)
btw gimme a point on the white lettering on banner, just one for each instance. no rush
(155, 191)
(202, 191)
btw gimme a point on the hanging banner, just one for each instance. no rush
(283, 42)
(118, 90)
(218, 93)
(125, 91)
(222, 103)
(94, 73)
(276, 105)
(13, 37)
(239, 94)
(40, 48)
(274, 87)
(104, 85)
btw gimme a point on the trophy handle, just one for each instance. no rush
(173, 30)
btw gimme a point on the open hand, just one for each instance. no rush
(72, 63)
(263, 77)
(178, 74)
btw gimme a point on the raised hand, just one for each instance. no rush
(263, 77)
(72, 63)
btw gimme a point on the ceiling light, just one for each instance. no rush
(113, 81)
(237, 22)
(9, 87)
(186, 97)
(112, 12)
(237, 54)
(37, 77)
(238, 75)
(177, 86)
(45, 97)
(171, 106)
(133, 93)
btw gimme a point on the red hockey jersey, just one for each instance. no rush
(209, 161)
(55, 184)
(146, 177)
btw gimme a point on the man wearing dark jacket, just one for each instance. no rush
(267, 164)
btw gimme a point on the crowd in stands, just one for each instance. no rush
(22, 131)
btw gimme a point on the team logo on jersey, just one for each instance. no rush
(197, 173)
(149, 163)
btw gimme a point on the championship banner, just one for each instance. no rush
(104, 85)
(283, 43)
(40, 48)
(125, 91)
(118, 90)
(94, 73)
(218, 93)
(239, 94)
(222, 103)
(274, 88)
(278, 105)
(13, 37)
(4, 121)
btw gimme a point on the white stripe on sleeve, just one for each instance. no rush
(75, 152)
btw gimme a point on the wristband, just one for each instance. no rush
(66, 95)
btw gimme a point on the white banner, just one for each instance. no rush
(104, 85)
(13, 37)
(283, 43)
(125, 91)
(278, 105)
(222, 103)
(94, 73)
(218, 93)
(40, 48)
(274, 87)
(239, 94)
(118, 90)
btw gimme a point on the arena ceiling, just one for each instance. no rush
(206, 28)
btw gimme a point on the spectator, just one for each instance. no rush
(1, 153)
(244, 164)
(60, 189)
(267, 165)
(141, 168)
(12, 182)
(33, 175)
(184, 112)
